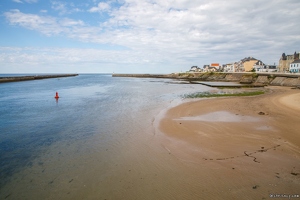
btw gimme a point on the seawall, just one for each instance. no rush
(255, 79)
(29, 78)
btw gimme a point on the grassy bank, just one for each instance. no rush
(209, 94)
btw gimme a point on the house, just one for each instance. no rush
(212, 69)
(216, 65)
(231, 67)
(286, 60)
(208, 68)
(205, 68)
(295, 66)
(259, 66)
(248, 63)
(272, 68)
(267, 68)
(195, 69)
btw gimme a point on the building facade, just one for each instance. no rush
(259, 66)
(231, 67)
(195, 69)
(286, 60)
(295, 66)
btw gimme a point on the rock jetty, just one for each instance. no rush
(36, 77)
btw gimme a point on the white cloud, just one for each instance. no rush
(44, 24)
(31, 1)
(27, 1)
(64, 7)
(59, 6)
(69, 22)
(102, 6)
(17, 1)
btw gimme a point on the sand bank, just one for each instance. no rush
(248, 147)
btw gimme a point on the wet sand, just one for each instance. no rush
(243, 147)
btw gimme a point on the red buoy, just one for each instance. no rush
(56, 96)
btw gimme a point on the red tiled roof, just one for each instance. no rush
(215, 64)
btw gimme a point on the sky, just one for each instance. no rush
(143, 36)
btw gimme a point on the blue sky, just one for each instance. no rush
(142, 36)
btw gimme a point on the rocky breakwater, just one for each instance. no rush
(36, 77)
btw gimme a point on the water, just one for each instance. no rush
(84, 144)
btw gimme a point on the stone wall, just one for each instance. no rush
(244, 78)
(285, 81)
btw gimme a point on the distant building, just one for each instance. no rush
(272, 68)
(259, 66)
(267, 68)
(231, 67)
(216, 65)
(295, 66)
(248, 63)
(286, 60)
(205, 68)
(209, 68)
(195, 69)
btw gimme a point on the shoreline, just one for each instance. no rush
(247, 79)
(36, 77)
(251, 140)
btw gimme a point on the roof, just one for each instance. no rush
(259, 62)
(296, 61)
(215, 64)
(248, 59)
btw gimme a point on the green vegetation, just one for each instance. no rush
(208, 94)
(254, 75)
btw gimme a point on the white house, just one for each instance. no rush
(195, 69)
(215, 66)
(259, 66)
(229, 67)
(295, 66)
(271, 68)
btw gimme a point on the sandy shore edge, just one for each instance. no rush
(258, 135)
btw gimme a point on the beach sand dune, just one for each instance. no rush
(247, 147)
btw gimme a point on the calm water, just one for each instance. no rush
(100, 129)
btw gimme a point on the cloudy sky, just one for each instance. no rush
(142, 36)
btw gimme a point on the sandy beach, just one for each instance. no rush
(241, 147)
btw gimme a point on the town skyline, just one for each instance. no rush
(251, 64)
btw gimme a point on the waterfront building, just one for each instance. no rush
(286, 60)
(248, 63)
(209, 68)
(216, 65)
(259, 66)
(295, 66)
(230, 67)
(195, 69)
(271, 68)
